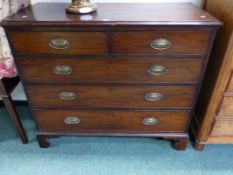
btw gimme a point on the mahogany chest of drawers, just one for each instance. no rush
(127, 70)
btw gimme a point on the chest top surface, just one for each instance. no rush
(115, 14)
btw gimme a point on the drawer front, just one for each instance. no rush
(226, 107)
(223, 128)
(230, 85)
(148, 97)
(79, 120)
(161, 42)
(83, 43)
(120, 70)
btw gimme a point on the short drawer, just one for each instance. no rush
(81, 43)
(161, 42)
(230, 85)
(226, 108)
(111, 96)
(79, 120)
(222, 128)
(119, 70)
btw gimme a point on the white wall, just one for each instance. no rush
(18, 94)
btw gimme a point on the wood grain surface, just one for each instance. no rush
(53, 120)
(116, 70)
(112, 96)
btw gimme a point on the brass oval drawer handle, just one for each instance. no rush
(150, 121)
(157, 70)
(72, 120)
(62, 70)
(67, 96)
(153, 96)
(160, 44)
(59, 43)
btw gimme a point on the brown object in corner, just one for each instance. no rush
(7, 85)
(128, 70)
(212, 122)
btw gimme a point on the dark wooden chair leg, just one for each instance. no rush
(199, 146)
(15, 118)
(43, 141)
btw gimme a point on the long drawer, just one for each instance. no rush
(71, 43)
(117, 70)
(166, 41)
(79, 120)
(145, 97)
